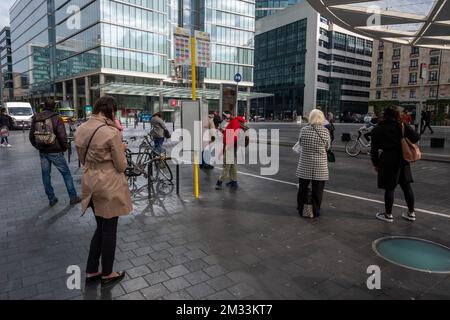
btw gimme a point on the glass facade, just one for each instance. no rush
(232, 28)
(52, 42)
(280, 69)
(269, 7)
(6, 81)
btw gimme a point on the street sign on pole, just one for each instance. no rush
(183, 52)
(203, 49)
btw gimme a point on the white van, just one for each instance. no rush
(21, 112)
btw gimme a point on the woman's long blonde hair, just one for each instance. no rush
(316, 117)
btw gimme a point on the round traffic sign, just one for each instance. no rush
(238, 77)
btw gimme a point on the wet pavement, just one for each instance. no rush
(244, 244)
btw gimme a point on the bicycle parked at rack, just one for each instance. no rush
(148, 162)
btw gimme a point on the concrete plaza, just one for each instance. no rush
(245, 244)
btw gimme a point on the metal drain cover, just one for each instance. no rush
(414, 253)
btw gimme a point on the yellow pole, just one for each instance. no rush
(194, 98)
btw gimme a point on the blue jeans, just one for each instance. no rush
(57, 159)
(159, 145)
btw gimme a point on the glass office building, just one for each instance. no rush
(6, 83)
(266, 8)
(74, 49)
(306, 62)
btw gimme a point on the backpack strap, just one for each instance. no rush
(90, 140)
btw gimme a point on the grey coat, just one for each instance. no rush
(313, 163)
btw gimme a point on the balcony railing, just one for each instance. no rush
(416, 68)
(414, 55)
(434, 66)
(395, 57)
(395, 70)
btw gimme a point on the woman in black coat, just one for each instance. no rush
(387, 158)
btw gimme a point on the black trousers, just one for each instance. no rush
(103, 245)
(424, 127)
(317, 195)
(389, 195)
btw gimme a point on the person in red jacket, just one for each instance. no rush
(230, 145)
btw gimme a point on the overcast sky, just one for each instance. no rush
(4, 12)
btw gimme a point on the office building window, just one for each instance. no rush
(397, 52)
(378, 95)
(395, 78)
(396, 65)
(415, 50)
(381, 55)
(414, 63)
(351, 44)
(339, 41)
(412, 93)
(380, 68)
(379, 80)
(413, 78)
(323, 32)
(360, 46)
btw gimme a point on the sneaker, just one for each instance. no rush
(75, 201)
(53, 202)
(9, 146)
(229, 184)
(234, 185)
(410, 216)
(385, 217)
(219, 185)
(2, 145)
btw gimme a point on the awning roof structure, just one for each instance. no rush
(423, 23)
(171, 92)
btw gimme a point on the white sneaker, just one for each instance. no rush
(2, 145)
(410, 216)
(8, 145)
(385, 217)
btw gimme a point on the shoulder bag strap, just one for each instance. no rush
(319, 136)
(90, 140)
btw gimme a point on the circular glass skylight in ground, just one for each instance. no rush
(413, 253)
(424, 23)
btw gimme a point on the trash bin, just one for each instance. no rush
(346, 137)
(437, 142)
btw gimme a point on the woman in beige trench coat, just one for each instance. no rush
(104, 186)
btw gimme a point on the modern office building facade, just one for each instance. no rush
(78, 50)
(266, 8)
(397, 80)
(6, 75)
(306, 61)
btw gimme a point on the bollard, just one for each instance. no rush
(178, 179)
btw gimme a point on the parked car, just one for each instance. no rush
(21, 113)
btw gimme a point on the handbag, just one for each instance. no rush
(411, 151)
(167, 134)
(308, 211)
(4, 132)
(331, 157)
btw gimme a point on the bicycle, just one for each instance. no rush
(354, 147)
(147, 159)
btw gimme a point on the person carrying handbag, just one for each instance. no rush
(6, 124)
(313, 145)
(105, 187)
(392, 162)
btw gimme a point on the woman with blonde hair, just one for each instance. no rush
(314, 141)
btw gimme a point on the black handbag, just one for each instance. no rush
(331, 157)
(167, 134)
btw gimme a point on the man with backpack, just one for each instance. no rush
(48, 135)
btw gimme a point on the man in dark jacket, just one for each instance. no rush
(53, 151)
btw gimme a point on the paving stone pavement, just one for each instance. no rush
(248, 244)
